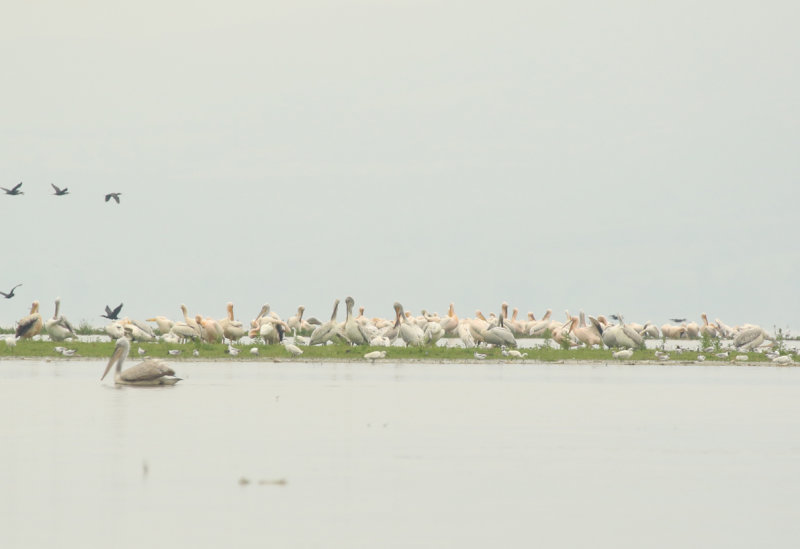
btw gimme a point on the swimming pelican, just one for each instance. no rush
(150, 372)
(327, 330)
(10, 294)
(14, 190)
(31, 325)
(58, 327)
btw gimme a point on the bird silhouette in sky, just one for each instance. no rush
(115, 196)
(10, 294)
(112, 315)
(58, 191)
(14, 190)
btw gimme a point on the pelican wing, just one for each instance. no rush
(149, 370)
(28, 324)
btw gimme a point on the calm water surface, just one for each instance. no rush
(410, 455)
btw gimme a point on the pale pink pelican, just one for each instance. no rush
(30, 325)
(450, 322)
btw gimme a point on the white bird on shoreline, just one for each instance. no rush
(292, 348)
(375, 355)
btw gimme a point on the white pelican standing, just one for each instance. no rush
(326, 331)
(150, 372)
(500, 335)
(353, 331)
(409, 331)
(58, 327)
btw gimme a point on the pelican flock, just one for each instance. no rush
(478, 332)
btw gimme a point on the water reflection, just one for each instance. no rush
(400, 455)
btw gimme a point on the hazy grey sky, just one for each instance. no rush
(609, 156)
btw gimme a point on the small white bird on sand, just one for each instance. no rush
(700, 358)
(293, 349)
(68, 352)
(11, 341)
(195, 353)
(374, 355)
(140, 351)
(742, 358)
(785, 359)
(233, 351)
(722, 355)
(513, 353)
(254, 351)
(479, 356)
(174, 352)
(625, 354)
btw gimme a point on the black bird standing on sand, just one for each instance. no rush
(14, 190)
(112, 315)
(10, 294)
(59, 192)
(115, 196)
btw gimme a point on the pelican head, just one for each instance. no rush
(118, 357)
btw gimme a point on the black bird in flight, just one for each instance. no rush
(678, 320)
(14, 190)
(112, 315)
(115, 196)
(59, 192)
(10, 294)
